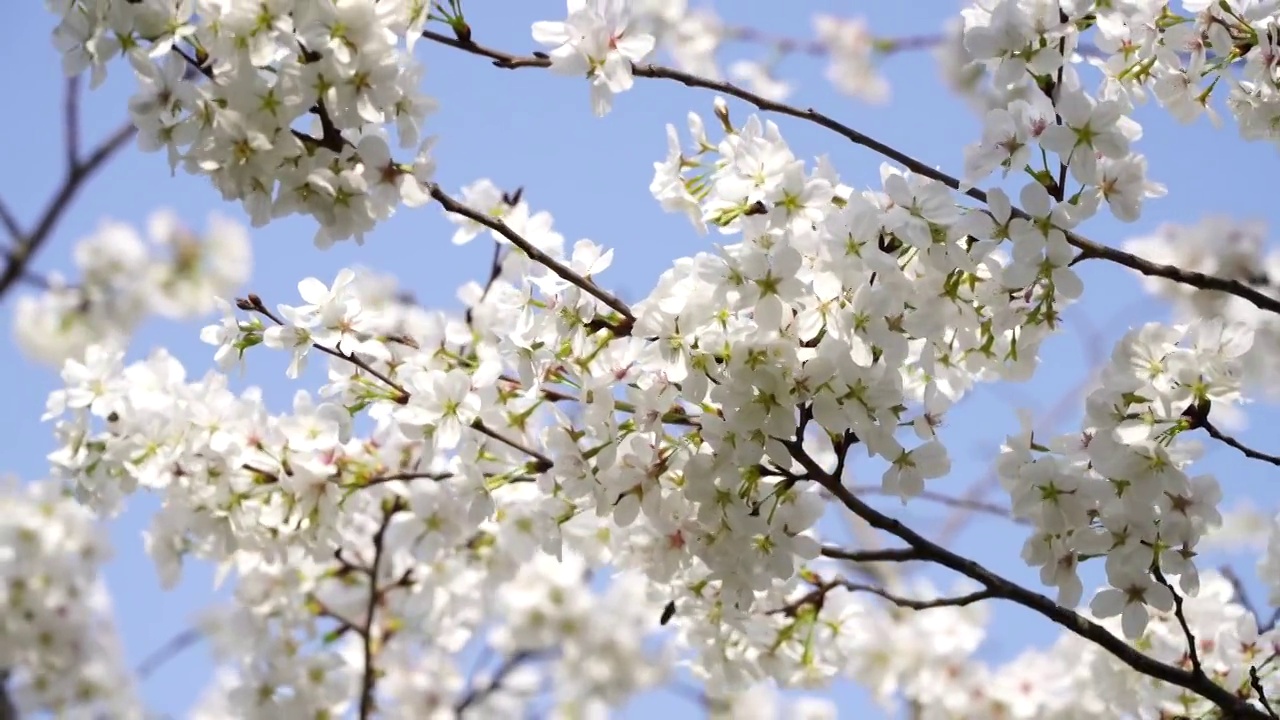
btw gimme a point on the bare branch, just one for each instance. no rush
(879, 555)
(1193, 654)
(1242, 597)
(71, 123)
(542, 462)
(10, 223)
(961, 503)
(1247, 451)
(912, 604)
(26, 245)
(1088, 248)
(1255, 682)
(174, 647)
(816, 597)
(479, 693)
(254, 303)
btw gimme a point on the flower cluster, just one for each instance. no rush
(58, 646)
(1118, 489)
(268, 68)
(123, 281)
(466, 480)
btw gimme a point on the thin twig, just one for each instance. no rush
(26, 245)
(405, 477)
(962, 503)
(1255, 682)
(1193, 654)
(1088, 248)
(1242, 597)
(1247, 451)
(10, 223)
(555, 266)
(912, 604)
(479, 693)
(878, 555)
(172, 648)
(370, 675)
(254, 303)
(543, 463)
(71, 122)
(495, 269)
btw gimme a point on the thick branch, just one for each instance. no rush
(1007, 590)
(1088, 248)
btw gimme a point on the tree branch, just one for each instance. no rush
(369, 678)
(478, 693)
(1247, 451)
(1088, 248)
(171, 649)
(962, 503)
(542, 462)
(1002, 588)
(1193, 653)
(628, 319)
(71, 122)
(913, 604)
(882, 555)
(26, 245)
(254, 303)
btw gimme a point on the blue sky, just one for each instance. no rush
(534, 129)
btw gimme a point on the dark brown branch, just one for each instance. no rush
(71, 122)
(542, 463)
(8, 711)
(1088, 248)
(479, 693)
(26, 245)
(10, 223)
(1255, 682)
(370, 676)
(817, 597)
(555, 266)
(1003, 588)
(406, 477)
(913, 604)
(1245, 450)
(254, 303)
(865, 556)
(1193, 653)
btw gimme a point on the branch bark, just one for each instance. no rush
(1088, 248)
(999, 587)
(26, 245)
